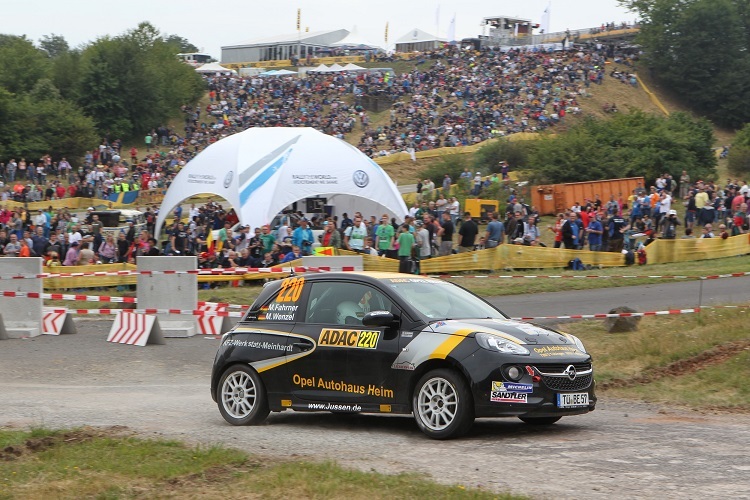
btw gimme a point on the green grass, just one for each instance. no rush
(661, 342)
(722, 386)
(87, 463)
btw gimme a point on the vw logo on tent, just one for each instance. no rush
(360, 178)
(228, 178)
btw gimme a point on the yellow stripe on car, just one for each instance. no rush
(444, 349)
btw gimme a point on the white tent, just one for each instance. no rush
(214, 68)
(285, 72)
(335, 67)
(353, 67)
(320, 69)
(263, 170)
(355, 41)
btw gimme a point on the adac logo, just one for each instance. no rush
(358, 339)
(228, 178)
(360, 178)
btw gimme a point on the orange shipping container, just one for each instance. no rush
(555, 198)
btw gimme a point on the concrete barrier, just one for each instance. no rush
(22, 317)
(169, 291)
(336, 263)
(3, 333)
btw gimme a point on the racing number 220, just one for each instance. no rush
(291, 289)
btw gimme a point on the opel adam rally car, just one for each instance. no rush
(395, 343)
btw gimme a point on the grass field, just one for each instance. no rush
(110, 464)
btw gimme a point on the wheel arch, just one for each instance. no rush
(435, 364)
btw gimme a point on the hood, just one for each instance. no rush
(517, 331)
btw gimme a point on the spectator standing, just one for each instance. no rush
(615, 230)
(594, 232)
(468, 234)
(354, 236)
(330, 237)
(493, 236)
(302, 236)
(446, 235)
(405, 248)
(384, 236)
(422, 240)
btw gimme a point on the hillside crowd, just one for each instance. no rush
(455, 97)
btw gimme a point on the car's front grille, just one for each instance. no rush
(565, 384)
(556, 376)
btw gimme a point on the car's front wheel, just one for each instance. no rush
(539, 420)
(442, 404)
(242, 396)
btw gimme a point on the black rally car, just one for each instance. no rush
(395, 343)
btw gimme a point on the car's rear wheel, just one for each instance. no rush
(442, 404)
(242, 396)
(539, 420)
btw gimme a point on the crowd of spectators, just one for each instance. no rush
(454, 97)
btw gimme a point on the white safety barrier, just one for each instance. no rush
(3, 333)
(135, 329)
(57, 322)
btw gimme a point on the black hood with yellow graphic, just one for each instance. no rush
(515, 331)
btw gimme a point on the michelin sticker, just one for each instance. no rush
(511, 387)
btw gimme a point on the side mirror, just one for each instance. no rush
(378, 318)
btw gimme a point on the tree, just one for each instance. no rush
(628, 145)
(180, 44)
(699, 48)
(54, 45)
(739, 154)
(132, 83)
(21, 64)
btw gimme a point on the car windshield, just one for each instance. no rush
(437, 299)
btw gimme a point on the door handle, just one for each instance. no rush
(303, 346)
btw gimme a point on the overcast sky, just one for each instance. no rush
(209, 25)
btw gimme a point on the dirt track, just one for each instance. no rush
(622, 450)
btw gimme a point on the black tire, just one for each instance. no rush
(242, 397)
(436, 394)
(539, 420)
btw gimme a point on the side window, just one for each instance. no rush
(343, 303)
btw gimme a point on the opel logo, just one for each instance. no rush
(228, 178)
(570, 371)
(360, 178)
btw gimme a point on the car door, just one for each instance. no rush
(348, 362)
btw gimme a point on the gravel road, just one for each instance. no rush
(622, 450)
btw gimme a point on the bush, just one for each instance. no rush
(739, 160)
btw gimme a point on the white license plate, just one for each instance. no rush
(573, 400)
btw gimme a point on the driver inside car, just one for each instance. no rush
(349, 313)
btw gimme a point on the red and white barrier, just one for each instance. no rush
(200, 272)
(211, 325)
(57, 322)
(184, 312)
(616, 315)
(135, 329)
(590, 276)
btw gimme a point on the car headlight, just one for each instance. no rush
(578, 343)
(499, 344)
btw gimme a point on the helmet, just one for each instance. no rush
(348, 313)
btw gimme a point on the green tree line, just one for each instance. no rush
(630, 144)
(701, 50)
(61, 101)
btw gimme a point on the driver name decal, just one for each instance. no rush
(358, 339)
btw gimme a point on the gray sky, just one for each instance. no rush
(211, 24)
